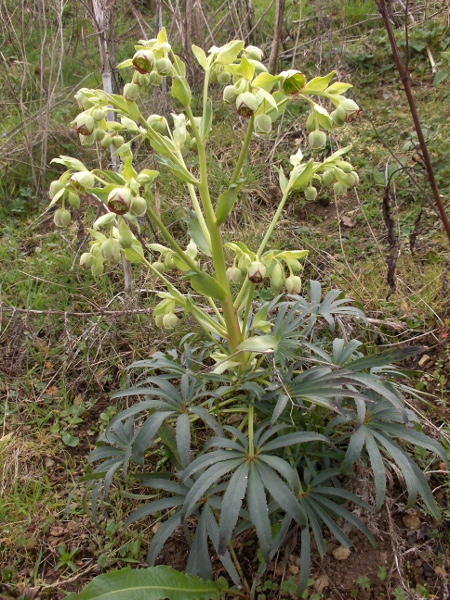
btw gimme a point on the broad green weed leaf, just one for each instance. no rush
(154, 583)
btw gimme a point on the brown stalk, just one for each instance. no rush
(405, 78)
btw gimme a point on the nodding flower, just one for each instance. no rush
(119, 200)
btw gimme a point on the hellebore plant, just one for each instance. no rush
(260, 98)
(263, 423)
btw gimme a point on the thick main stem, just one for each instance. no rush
(404, 75)
(234, 331)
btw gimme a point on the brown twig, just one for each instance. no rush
(405, 78)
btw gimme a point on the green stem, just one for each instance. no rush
(248, 307)
(205, 89)
(234, 331)
(251, 416)
(171, 240)
(216, 311)
(198, 212)
(274, 222)
(244, 150)
(181, 301)
(241, 297)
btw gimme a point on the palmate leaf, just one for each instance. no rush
(154, 583)
(320, 385)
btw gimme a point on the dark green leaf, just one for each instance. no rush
(281, 493)
(258, 510)
(206, 481)
(231, 505)
(183, 436)
(153, 507)
(199, 562)
(147, 432)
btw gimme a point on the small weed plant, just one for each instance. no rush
(261, 421)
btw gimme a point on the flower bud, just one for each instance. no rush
(277, 278)
(340, 189)
(349, 106)
(118, 141)
(170, 321)
(310, 193)
(155, 78)
(82, 179)
(99, 134)
(107, 249)
(328, 177)
(351, 179)
(87, 140)
(244, 263)
(55, 187)
(317, 139)
(169, 262)
(115, 248)
(163, 66)
(131, 91)
(293, 284)
(292, 82)
(98, 114)
(142, 80)
(144, 61)
(119, 200)
(158, 320)
(62, 217)
(138, 206)
(158, 123)
(246, 104)
(97, 266)
(159, 266)
(144, 179)
(338, 116)
(192, 249)
(234, 275)
(311, 122)
(263, 124)
(254, 53)
(125, 236)
(86, 260)
(224, 77)
(74, 199)
(256, 271)
(96, 249)
(355, 178)
(230, 94)
(85, 124)
(106, 141)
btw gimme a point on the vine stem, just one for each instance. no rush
(405, 78)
